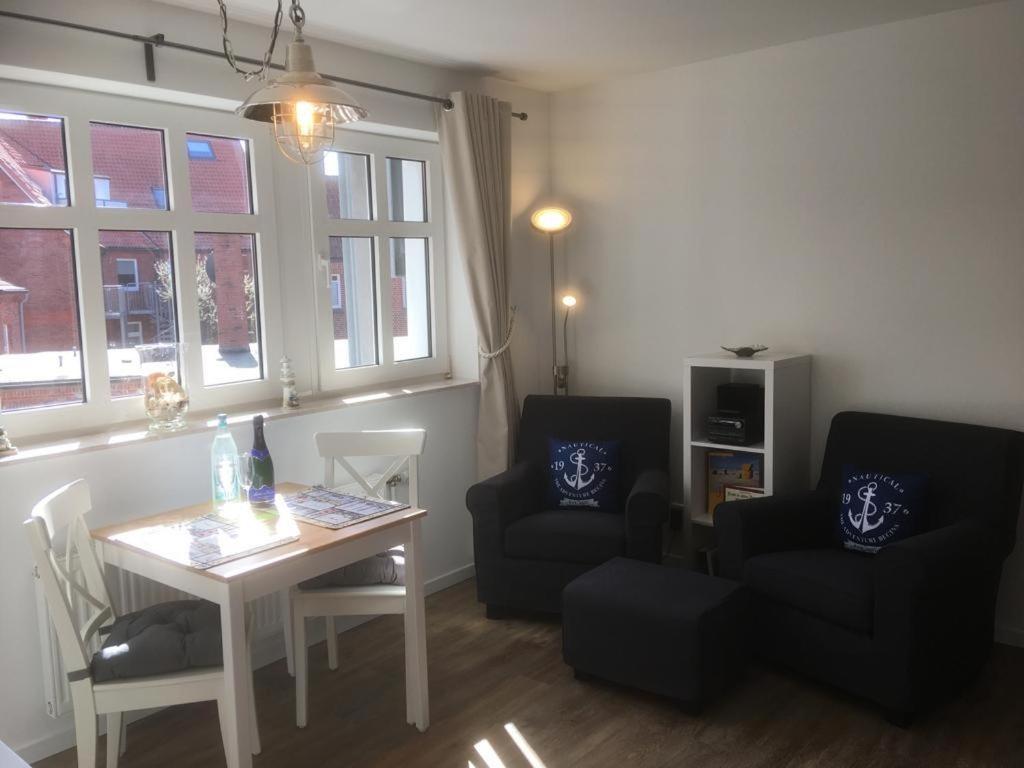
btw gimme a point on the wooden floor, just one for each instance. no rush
(484, 674)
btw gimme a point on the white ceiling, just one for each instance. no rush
(557, 44)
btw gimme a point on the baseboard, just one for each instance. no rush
(65, 739)
(450, 579)
(268, 647)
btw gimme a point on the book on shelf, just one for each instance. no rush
(740, 492)
(733, 468)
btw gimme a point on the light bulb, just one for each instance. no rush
(551, 220)
(569, 300)
(305, 114)
(304, 130)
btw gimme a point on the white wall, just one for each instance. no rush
(859, 197)
(136, 480)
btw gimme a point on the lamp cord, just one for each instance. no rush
(298, 17)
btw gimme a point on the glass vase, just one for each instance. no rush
(163, 385)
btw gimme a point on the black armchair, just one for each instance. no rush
(526, 554)
(913, 622)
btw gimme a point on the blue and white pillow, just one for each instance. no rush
(877, 508)
(583, 474)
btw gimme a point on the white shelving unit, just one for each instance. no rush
(786, 380)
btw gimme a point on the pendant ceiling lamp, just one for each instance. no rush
(303, 107)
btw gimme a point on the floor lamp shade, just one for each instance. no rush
(551, 220)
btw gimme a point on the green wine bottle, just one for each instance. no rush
(262, 491)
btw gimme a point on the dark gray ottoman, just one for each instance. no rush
(665, 630)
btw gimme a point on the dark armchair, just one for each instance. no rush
(913, 622)
(525, 554)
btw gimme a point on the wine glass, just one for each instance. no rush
(245, 470)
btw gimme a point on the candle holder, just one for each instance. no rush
(289, 393)
(164, 394)
(6, 446)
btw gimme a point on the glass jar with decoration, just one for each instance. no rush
(163, 385)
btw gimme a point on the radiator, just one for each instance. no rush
(129, 592)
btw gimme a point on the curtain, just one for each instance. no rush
(477, 157)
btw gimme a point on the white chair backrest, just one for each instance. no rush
(405, 445)
(62, 514)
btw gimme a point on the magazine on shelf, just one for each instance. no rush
(335, 509)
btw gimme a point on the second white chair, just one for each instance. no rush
(404, 447)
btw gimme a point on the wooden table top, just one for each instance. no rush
(312, 538)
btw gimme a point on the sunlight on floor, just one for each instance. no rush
(490, 756)
(524, 746)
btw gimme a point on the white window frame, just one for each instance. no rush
(58, 198)
(85, 219)
(135, 265)
(379, 229)
(133, 329)
(101, 188)
(336, 292)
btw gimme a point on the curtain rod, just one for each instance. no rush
(160, 41)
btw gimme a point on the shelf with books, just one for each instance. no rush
(779, 464)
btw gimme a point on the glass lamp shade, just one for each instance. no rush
(551, 220)
(303, 130)
(303, 107)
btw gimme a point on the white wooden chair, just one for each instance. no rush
(404, 447)
(62, 514)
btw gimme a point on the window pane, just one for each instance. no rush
(406, 194)
(229, 295)
(347, 177)
(355, 313)
(138, 301)
(218, 172)
(410, 298)
(128, 166)
(40, 343)
(32, 164)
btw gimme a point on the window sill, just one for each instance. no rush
(134, 433)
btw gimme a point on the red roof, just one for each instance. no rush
(131, 159)
(113, 238)
(40, 141)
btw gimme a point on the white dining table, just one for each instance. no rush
(315, 551)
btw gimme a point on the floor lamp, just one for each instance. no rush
(551, 221)
(562, 371)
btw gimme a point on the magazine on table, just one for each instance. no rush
(336, 509)
(209, 540)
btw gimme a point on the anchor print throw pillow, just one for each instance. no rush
(584, 475)
(877, 508)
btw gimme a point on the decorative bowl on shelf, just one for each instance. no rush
(747, 351)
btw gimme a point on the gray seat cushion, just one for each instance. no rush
(164, 638)
(385, 568)
(832, 584)
(567, 536)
